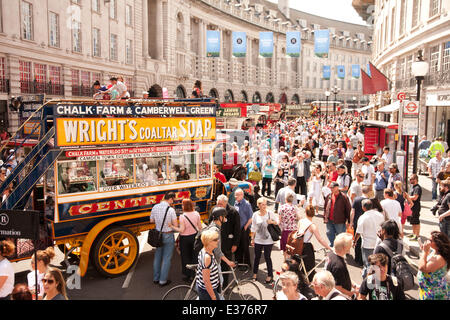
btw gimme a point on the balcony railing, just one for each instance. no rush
(35, 87)
(82, 91)
(4, 85)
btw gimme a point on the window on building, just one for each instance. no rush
(76, 36)
(356, 82)
(40, 73)
(113, 9)
(85, 78)
(128, 15)
(393, 26)
(434, 7)
(307, 82)
(409, 61)
(75, 82)
(113, 51)
(308, 65)
(434, 58)
(54, 29)
(96, 76)
(55, 79)
(349, 84)
(415, 13)
(402, 17)
(446, 57)
(25, 76)
(129, 51)
(314, 82)
(27, 20)
(96, 5)
(96, 41)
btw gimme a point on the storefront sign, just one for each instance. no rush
(438, 100)
(70, 110)
(19, 224)
(74, 132)
(229, 112)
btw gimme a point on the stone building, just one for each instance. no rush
(60, 47)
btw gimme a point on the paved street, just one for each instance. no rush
(141, 287)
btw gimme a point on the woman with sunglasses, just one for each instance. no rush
(6, 270)
(207, 270)
(43, 258)
(54, 285)
(433, 267)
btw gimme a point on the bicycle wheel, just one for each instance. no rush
(181, 292)
(245, 290)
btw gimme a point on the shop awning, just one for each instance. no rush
(370, 106)
(380, 124)
(390, 107)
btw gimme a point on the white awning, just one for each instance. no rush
(370, 106)
(390, 107)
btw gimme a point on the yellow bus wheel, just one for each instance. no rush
(115, 252)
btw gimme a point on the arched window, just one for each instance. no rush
(181, 92)
(295, 99)
(228, 97)
(270, 97)
(244, 97)
(213, 93)
(256, 97)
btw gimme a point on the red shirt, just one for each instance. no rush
(221, 177)
(333, 200)
(334, 176)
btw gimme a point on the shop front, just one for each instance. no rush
(437, 116)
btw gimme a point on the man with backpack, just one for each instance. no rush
(379, 285)
(393, 248)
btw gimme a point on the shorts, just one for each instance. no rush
(414, 219)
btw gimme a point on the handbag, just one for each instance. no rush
(255, 176)
(274, 231)
(154, 236)
(407, 209)
(295, 242)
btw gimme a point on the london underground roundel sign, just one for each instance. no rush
(411, 108)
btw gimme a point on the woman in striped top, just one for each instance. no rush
(207, 270)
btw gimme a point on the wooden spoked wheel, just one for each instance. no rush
(115, 252)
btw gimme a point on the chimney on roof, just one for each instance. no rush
(283, 6)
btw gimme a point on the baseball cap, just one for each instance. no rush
(334, 184)
(218, 212)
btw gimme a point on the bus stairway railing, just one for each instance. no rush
(33, 153)
(20, 194)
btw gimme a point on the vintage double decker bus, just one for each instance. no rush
(99, 166)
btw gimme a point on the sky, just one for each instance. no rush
(341, 10)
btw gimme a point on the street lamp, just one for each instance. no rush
(335, 91)
(327, 94)
(419, 70)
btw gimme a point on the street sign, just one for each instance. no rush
(410, 127)
(411, 108)
(401, 96)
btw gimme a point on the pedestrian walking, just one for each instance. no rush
(208, 281)
(261, 238)
(434, 167)
(391, 207)
(289, 216)
(390, 237)
(336, 212)
(369, 174)
(267, 171)
(381, 180)
(245, 213)
(415, 196)
(190, 225)
(164, 213)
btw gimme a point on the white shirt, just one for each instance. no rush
(368, 172)
(356, 189)
(259, 227)
(388, 158)
(360, 137)
(368, 225)
(338, 297)
(7, 270)
(392, 209)
(32, 284)
(121, 88)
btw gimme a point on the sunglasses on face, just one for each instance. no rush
(49, 281)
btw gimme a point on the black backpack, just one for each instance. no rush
(400, 268)
(198, 245)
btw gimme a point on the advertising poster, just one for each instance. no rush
(266, 44)
(326, 72)
(239, 44)
(341, 72)
(356, 71)
(212, 43)
(293, 44)
(321, 43)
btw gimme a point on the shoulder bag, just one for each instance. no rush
(274, 230)
(154, 236)
(295, 242)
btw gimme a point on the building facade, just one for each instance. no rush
(61, 47)
(401, 29)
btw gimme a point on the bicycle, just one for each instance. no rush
(301, 267)
(236, 290)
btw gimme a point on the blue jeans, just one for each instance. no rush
(204, 295)
(434, 189)
(333, 230)
(365, 257)
(445, 227)
(163, 258)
